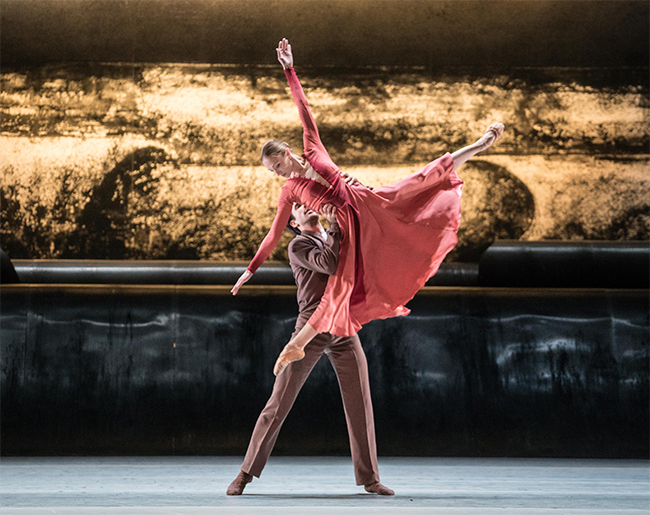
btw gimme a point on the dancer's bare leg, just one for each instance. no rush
(294, 350)
(492, 134)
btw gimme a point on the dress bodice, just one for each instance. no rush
(312, 194)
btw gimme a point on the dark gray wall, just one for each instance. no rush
(186, 369)
(339, 32)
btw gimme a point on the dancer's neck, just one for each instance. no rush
(317, 227)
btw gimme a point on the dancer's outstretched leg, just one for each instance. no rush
(492, 134)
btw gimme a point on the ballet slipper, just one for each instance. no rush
(289, 354)
(492, 133)
(378, 488)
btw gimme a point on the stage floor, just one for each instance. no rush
(322, 485)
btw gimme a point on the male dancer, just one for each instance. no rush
(313, 256)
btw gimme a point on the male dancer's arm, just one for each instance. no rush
(325, 259)
(307, 255)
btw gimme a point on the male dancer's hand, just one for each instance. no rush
(328, 211)
(284, 54)
(350, 180)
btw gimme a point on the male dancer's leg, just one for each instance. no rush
(349, 362)
(285, 390)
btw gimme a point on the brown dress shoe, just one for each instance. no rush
(239, 483)
(378, 488)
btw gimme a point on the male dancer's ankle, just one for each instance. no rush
(379, 489)
(239, 483)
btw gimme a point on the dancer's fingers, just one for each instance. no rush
(349, 179)
(329, 212)
(242, 279)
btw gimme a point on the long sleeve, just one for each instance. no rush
(310, 135)
(307, 255)
(271, 240)
(315, 151)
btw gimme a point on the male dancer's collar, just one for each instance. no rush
(322, 234)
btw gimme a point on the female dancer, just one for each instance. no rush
(393, 238)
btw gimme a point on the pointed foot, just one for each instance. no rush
(289, 354)
(492, 133)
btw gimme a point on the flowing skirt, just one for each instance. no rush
(393, 241)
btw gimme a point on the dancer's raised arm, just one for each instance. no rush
(310, 134)
(314, 149)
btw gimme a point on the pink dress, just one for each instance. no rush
(393, 238)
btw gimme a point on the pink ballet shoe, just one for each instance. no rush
(492, 133)
(289, 354)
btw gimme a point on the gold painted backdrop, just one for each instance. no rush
(161, 160)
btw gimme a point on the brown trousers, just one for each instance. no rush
(349, 362)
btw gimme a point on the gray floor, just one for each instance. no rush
(196, 486)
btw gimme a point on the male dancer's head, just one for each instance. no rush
(303, 219)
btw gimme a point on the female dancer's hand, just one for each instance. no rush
(284, 54)
(242, 279)
(328, 211)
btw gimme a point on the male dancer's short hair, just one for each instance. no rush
(293, 230)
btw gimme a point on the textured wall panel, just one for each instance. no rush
(187, 369)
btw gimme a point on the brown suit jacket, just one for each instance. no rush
(313, 259)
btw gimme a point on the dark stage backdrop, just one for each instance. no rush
(110, 369)
(131, 129)
(340, 33)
